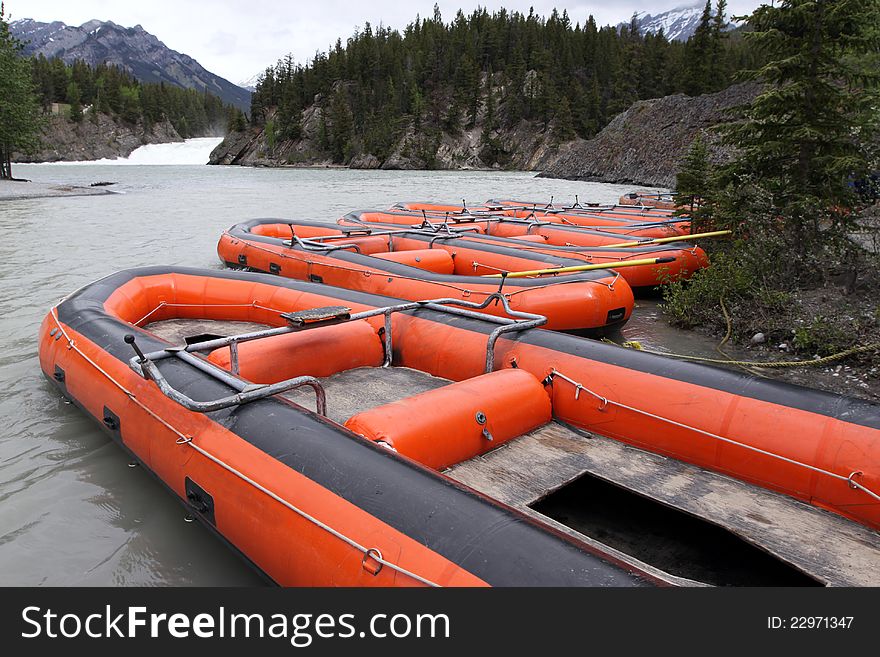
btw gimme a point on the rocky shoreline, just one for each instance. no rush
(15, 190)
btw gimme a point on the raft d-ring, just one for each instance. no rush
(604, 403)
(184, 440)
(465, 293)
(849, 480)
(577, 392)
(376, 556)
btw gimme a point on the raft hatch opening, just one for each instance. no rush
(674, 541)
(202, 337)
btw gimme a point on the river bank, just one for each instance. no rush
(653, 330)
(16, 190)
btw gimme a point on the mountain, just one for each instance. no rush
(677, 24)
(131, 48)
(251, 83)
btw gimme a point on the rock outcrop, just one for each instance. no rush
(525, 146)
(644, 145)
(63, 140)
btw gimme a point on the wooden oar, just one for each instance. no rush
(577, 268)
(666, 240)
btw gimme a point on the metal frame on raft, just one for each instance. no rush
(459, 219)
(589, 207)
(145, 364)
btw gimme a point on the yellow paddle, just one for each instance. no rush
(577, 268)
(665, 240)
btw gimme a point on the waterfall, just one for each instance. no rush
(191, 151)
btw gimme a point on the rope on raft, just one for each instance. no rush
(578, 387)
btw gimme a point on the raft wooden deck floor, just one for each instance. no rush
(825, 546)
(830, 548)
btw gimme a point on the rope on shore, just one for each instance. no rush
(633, 344)
(727, 334)
(749, 364)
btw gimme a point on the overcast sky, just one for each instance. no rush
(239, 39)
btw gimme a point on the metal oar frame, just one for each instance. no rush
(146, 364)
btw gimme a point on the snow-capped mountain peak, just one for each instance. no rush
(251, 83)
(677, 24)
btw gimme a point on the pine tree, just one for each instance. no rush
(74, 97)
(697, 55)
(809, 132)
(694, 183)
(416, 105)
(717, 75)
(808, 136)
(594, 113)
(489, 118)
(323, 133)
(340, 132)
(235, 121)
(563, 123)
(468, 87)
(19, 121)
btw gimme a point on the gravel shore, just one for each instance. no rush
(14, 190)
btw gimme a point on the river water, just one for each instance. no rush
(71, 510)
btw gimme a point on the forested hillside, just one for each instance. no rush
(110, 90)
(386, 93)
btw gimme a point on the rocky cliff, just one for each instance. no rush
(645, 144)
(526, 146)
(63, 140)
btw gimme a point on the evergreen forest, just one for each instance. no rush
(491, 70)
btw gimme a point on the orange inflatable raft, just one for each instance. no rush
(681, 260)
(642, 198)
(638, 212)
(356, 440)
(606, 219)
(420, 265)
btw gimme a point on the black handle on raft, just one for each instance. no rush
(197, 502)
(666, 259)
(129, 339)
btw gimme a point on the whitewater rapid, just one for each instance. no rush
(191, 151)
